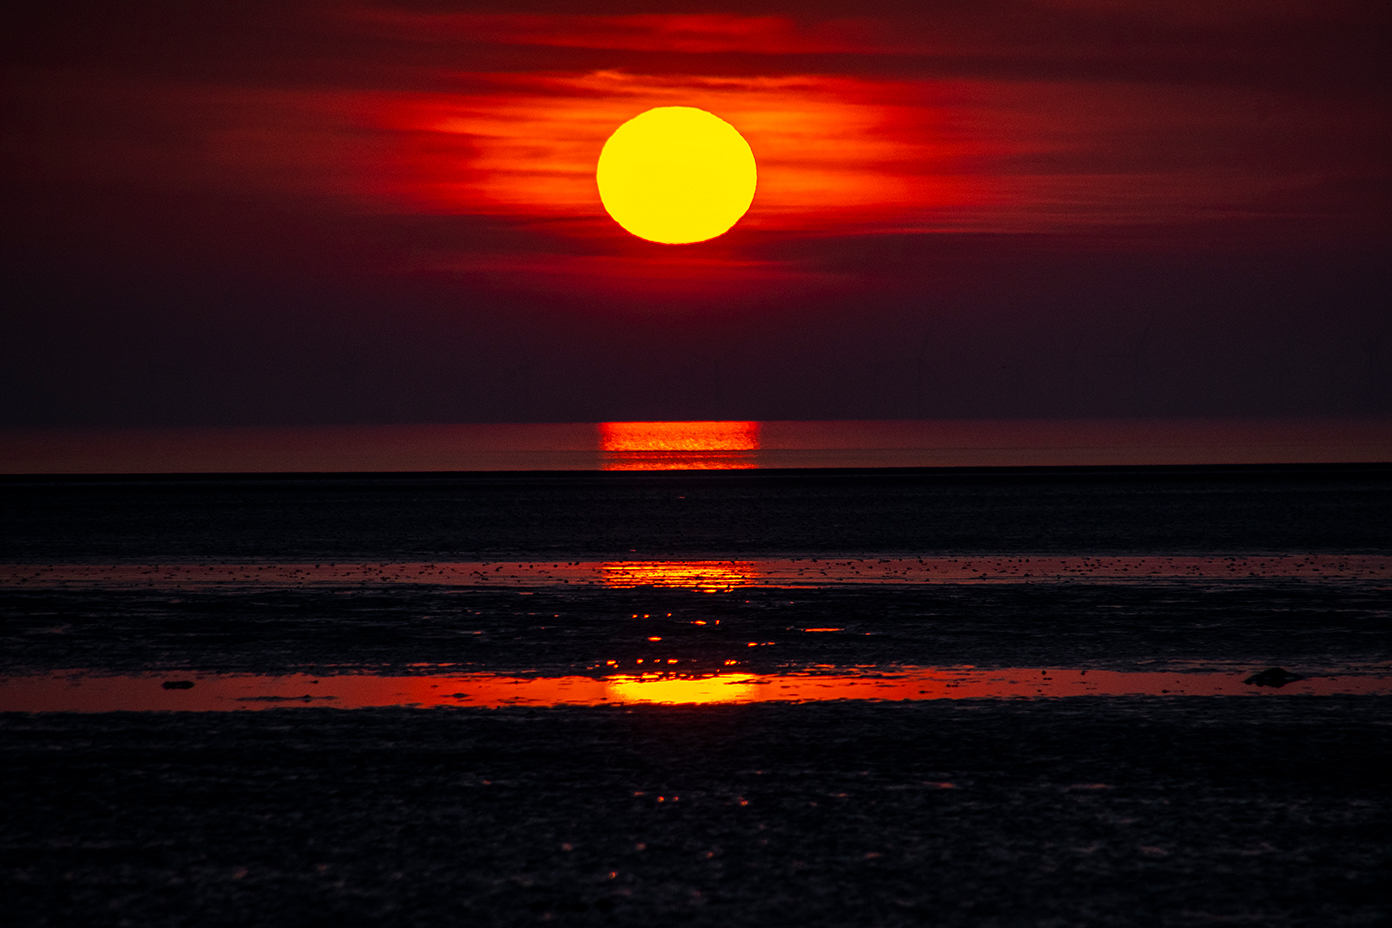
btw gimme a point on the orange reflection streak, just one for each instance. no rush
(709, 576)
(679, 445)
(737, 687)
(75, 691)
(679, 436)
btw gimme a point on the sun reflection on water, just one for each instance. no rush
(736, 687)
(706, 576)
(679, 445)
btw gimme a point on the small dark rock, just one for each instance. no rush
(177, 684)
(1276, 676)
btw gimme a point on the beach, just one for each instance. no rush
(874, 698)
(1185, 811)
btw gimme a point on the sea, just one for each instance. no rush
(1145, 679)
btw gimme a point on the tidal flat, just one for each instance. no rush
(706, 768)
(1171, 811)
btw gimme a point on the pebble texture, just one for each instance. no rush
(1087, 811)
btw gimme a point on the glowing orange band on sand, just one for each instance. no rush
(75, 691)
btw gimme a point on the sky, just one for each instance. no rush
(333, 213)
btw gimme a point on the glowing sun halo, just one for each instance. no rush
(676, 174)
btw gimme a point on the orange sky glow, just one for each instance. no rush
(1010, 209)
(838, 153)
(830, 151)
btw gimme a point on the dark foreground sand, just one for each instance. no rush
(1181, 811)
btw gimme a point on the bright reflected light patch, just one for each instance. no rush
(679, 436)
(735, 687)
(679, 445)
(708, 576)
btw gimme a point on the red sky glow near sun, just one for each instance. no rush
(1173, 208)
(840, 152)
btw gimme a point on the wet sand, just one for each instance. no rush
(386, 622)
(1189, 811)
(626, 699)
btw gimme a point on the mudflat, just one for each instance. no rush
(1168, 811)
(781, 802)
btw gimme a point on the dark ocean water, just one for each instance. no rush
(1160, 510)
(1321, 619)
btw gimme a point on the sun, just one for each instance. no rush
(676, 174)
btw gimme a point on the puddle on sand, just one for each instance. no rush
(83, 691)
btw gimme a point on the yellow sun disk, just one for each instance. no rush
(676, 174)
